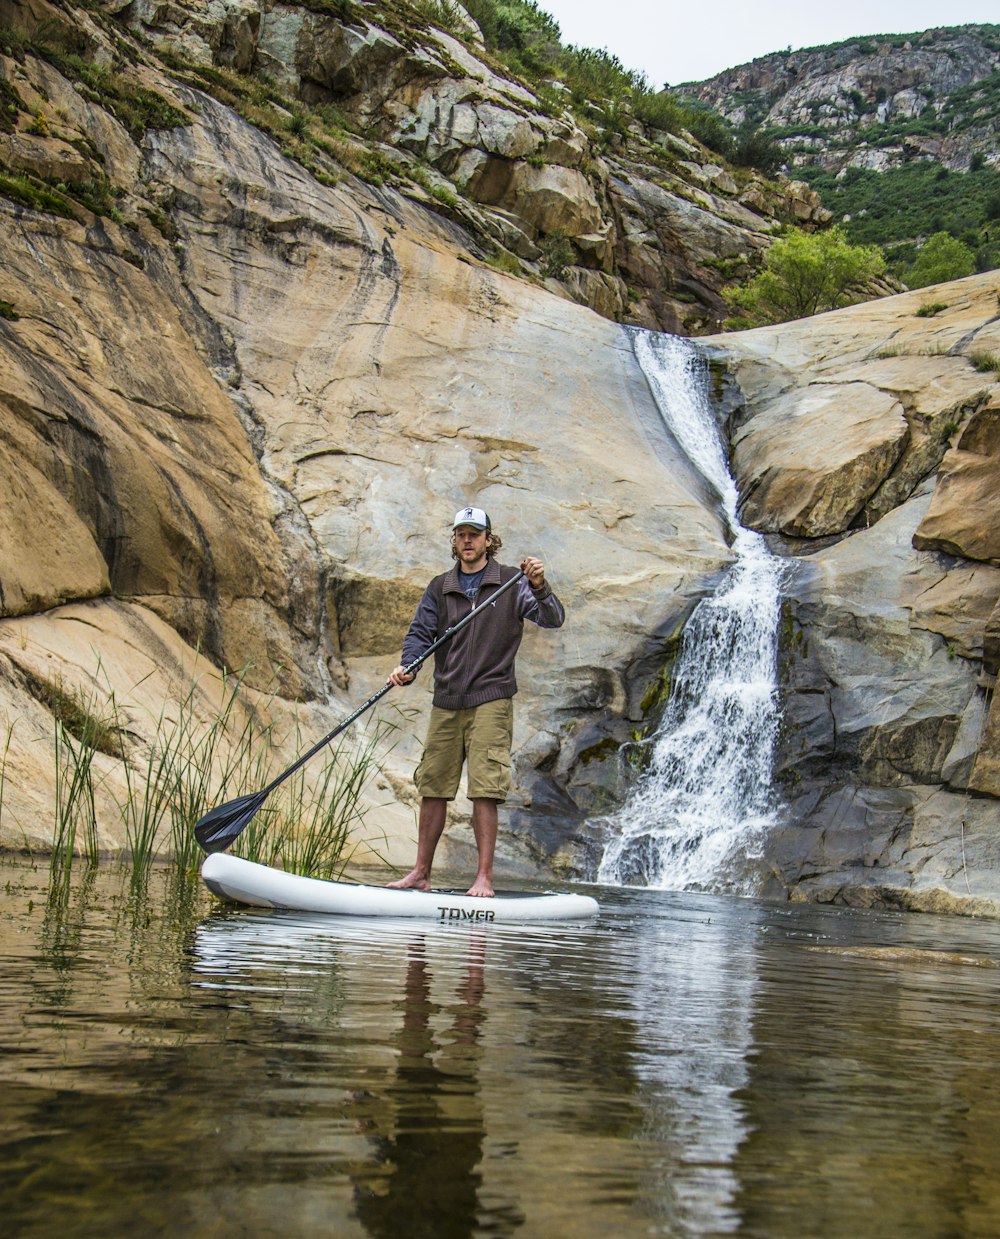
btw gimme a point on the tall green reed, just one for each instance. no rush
(307, 827)
(196, 757)
(3, 765)
(75, 800)
(189, 763)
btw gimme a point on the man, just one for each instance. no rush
(472, 718)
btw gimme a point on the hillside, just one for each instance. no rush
(898, 133)
(586, 181)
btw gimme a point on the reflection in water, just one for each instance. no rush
(694, 1013)
(685, 1066)
(428, 1129)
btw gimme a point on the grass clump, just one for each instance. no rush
(930, 308)
(985, 362)
(79, 716)
(306, 827)
(504, 260)
(197, 756)
(33, 193)
(10, 105)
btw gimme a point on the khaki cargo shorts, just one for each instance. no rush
(480, 737)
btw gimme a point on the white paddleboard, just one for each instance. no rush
(243, 881)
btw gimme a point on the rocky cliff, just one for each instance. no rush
(243, 388)
(641, 225)
(865, 442)
(874, 102)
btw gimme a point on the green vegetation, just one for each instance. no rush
(985, 362)
(557, 255)
(901, 207)
(135, 107)
(77, 716)
(8, 312)
(34, 193)
(189, 764)
(942, 257)
(806, 274)
(527, 41)
(10, 104)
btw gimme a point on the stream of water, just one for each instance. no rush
(684, 1065)
(704, 802)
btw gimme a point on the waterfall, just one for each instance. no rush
(704, 801)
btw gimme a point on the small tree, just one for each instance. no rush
(807, 273)
(941, 257)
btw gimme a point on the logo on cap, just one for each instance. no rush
(475, 517)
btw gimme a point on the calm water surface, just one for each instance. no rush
(685, 1065)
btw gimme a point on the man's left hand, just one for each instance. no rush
(534, 570)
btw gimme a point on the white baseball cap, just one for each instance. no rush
(475, 517)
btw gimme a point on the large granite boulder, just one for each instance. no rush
(865, 441)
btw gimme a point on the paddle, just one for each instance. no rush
(225, 823)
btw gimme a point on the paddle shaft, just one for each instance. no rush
(410, 670)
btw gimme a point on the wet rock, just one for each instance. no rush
(968, 483)
(888, 720)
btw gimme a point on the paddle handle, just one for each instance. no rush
(411, 669)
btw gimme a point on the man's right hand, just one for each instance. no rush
(399, 677)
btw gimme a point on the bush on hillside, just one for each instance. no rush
(527, 40)
(942, 257)
(756, 148)
(805, 274)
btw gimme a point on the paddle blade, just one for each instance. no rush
(225, 823)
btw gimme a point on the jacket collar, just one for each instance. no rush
(491, 576)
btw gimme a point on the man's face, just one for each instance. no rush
(471, 544)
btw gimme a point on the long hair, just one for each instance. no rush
(493, 544)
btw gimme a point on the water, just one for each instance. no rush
(686, 1065)
(702, 808)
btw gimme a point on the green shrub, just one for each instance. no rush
(711, 129)
(660, 110)
(440, 13)
(805, 274)
(896, 209)
(942, 257)
(557, 255)
(33, 193)
(757, 148)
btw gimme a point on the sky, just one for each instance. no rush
(674, 41)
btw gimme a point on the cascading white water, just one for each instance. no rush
(704, 800)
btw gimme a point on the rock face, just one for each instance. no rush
(867, 446)
(850, 104)
(238, 442)
(645, 229)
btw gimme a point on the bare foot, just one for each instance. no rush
(483, 887)
(414, 881)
